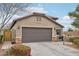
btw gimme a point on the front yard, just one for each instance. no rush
(73, 42)
(51, 49)
(73, 46)
(1, 51)
(48, 49)
(0, 45)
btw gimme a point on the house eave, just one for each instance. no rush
(14, 22)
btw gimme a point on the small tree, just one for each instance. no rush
(70, 30)
(8, 10)
(75, 14)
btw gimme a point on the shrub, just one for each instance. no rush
(1, 37)
(71, 39)
(74, 40)
(19, 50)
(76, 37)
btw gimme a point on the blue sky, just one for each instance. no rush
(59, 10)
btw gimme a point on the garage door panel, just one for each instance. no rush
(36, 34)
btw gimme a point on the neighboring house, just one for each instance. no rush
(71, 34)
(37, 27)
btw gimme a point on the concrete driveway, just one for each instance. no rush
(51, 49)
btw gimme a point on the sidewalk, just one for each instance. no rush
(6, 45)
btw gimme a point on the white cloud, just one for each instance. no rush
(66, 17)
(36, 9)
(66, 22)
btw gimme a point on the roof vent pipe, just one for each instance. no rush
(37, 13)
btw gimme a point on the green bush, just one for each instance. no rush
(1, 37)
(19, 50)
(71, 39)
(74, 40)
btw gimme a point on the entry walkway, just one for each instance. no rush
(6, 45)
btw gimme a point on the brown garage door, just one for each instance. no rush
(36, 34)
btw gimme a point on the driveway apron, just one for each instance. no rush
(51, 49)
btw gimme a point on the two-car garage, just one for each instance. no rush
(36, 27)
(31, 34)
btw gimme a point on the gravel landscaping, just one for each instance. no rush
(73, 46)
(47, 49)
(1, 51)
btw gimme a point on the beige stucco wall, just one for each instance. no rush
(32, 22)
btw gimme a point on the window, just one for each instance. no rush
(58, 32)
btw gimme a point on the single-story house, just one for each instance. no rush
(37, 27)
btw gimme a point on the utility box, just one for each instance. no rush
(7, 35)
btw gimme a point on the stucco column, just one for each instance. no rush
(54, 37)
